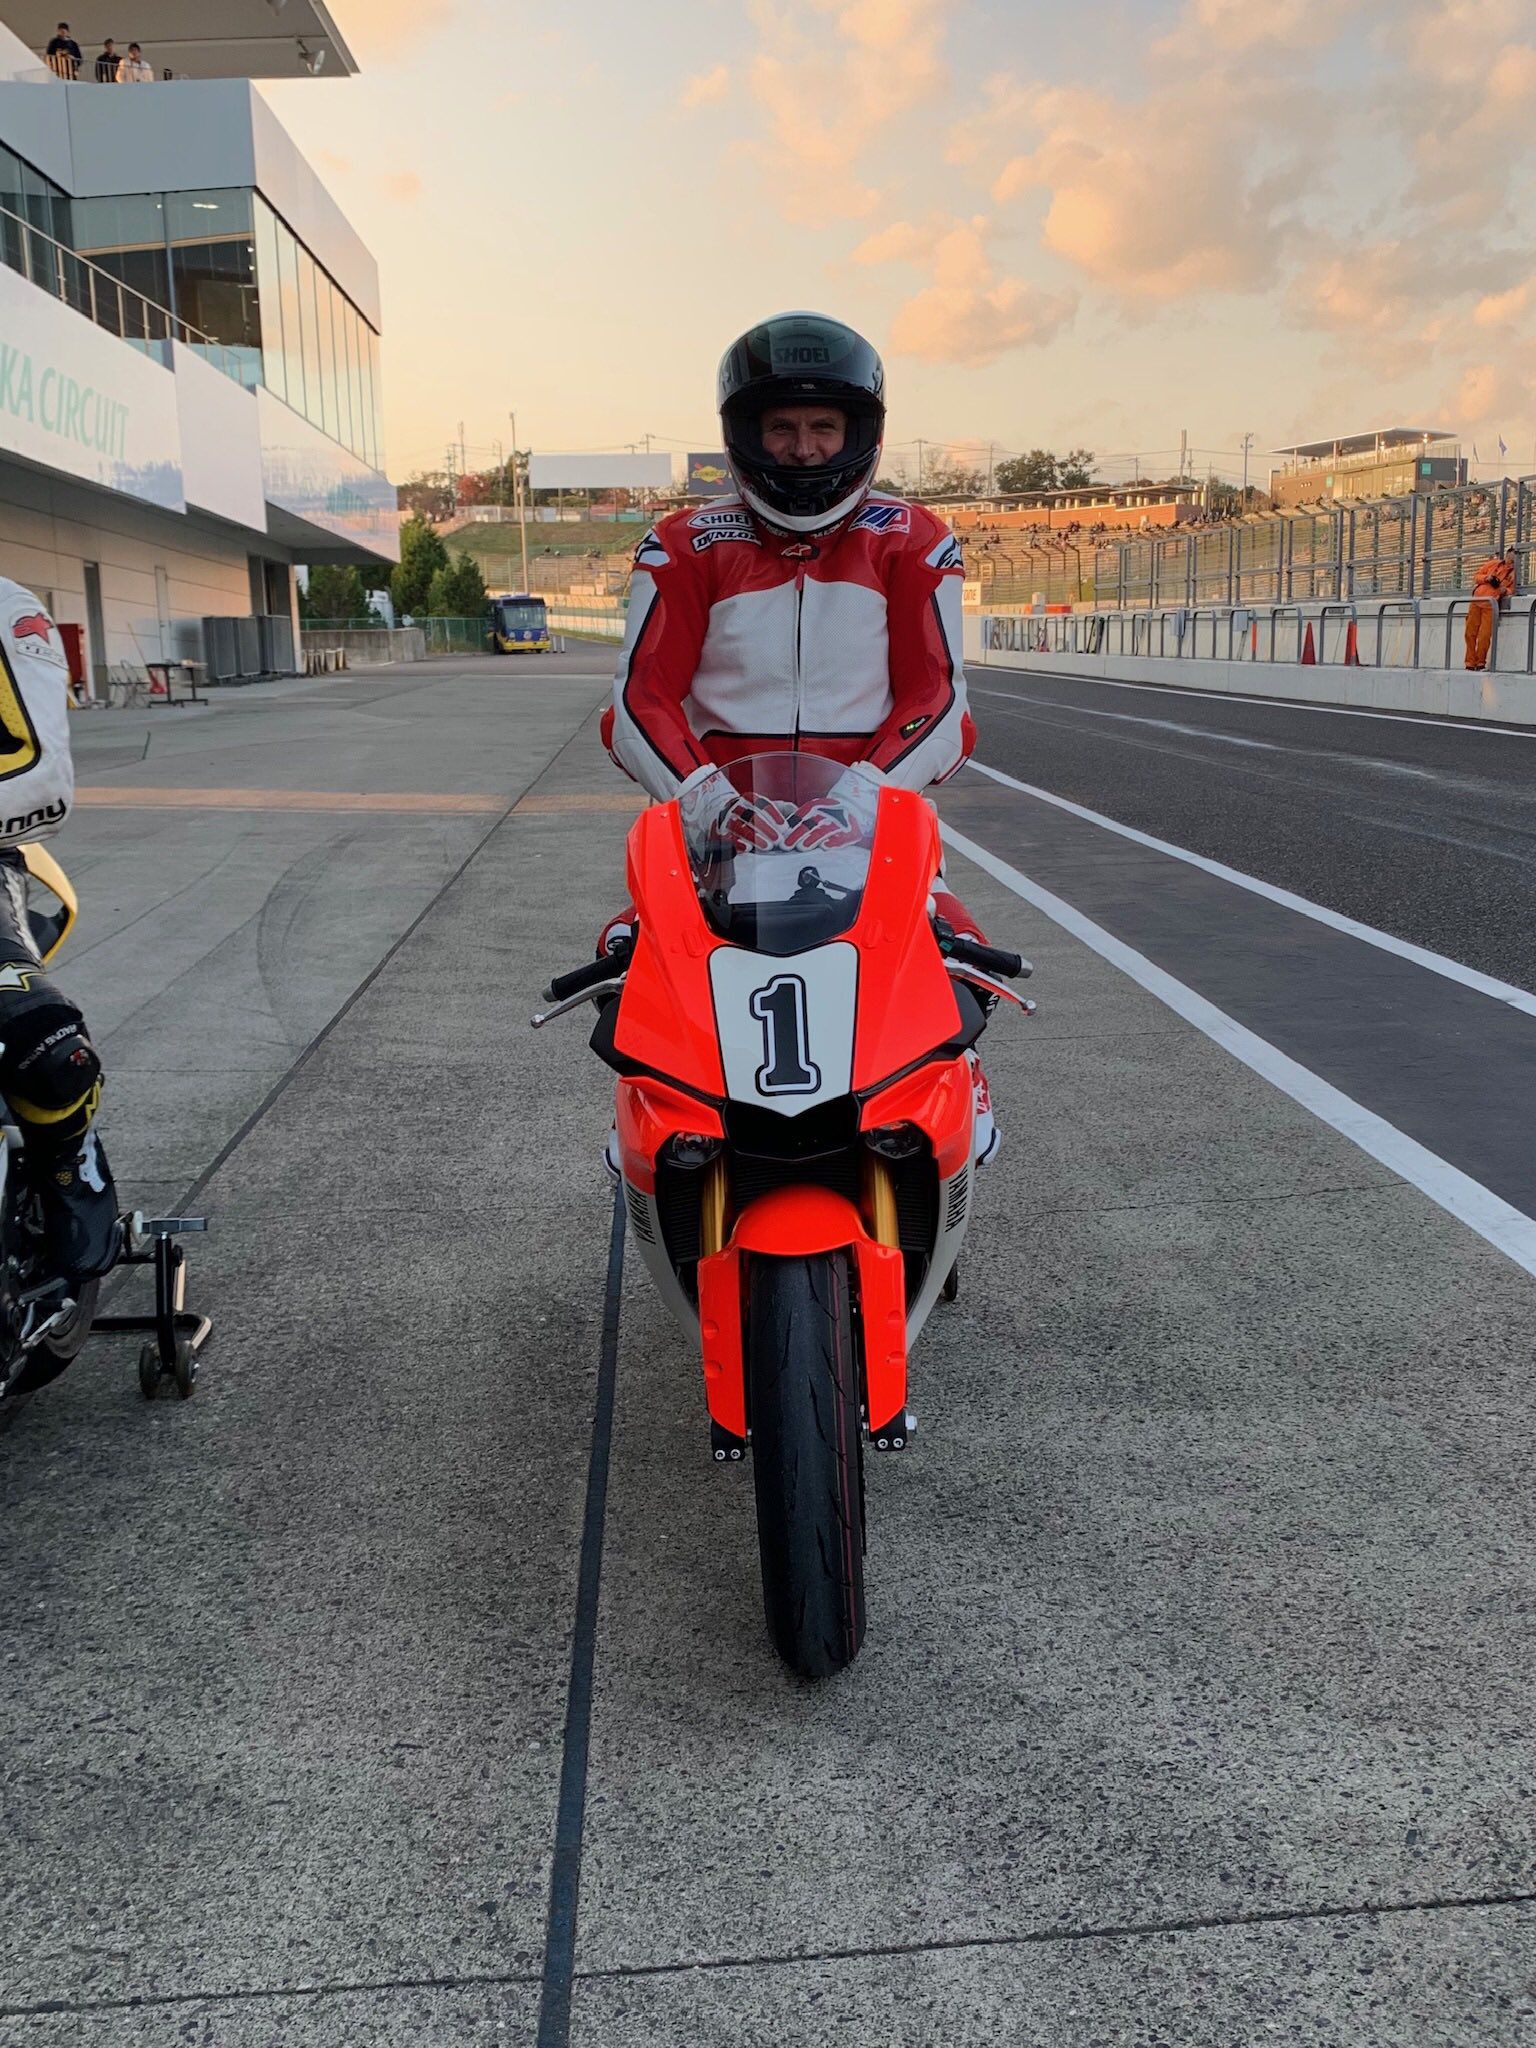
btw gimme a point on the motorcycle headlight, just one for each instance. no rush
(689, 1151)
(895, 1141)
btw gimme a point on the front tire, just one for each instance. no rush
(807, 1459)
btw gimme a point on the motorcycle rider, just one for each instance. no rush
(50, 1075)
(810, 613)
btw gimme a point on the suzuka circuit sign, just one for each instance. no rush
(77, 399)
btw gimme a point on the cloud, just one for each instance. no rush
(972, 326)
(1507, 308)
(402, 186)
(831, 77)
(378, 29)
(706, 88)
(1496, 395)
(967, 314)
(1244, 28)
(1145, 201)
(340, 164)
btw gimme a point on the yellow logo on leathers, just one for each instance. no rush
(19, 749)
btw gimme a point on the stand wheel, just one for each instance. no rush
(149, 1371)
(951, 1289)
(184, 1371)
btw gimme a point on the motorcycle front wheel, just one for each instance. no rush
(807, 1459)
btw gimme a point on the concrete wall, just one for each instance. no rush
(49, 529)
(369, 646)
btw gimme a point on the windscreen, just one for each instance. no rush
(519, 612)
(779, 845)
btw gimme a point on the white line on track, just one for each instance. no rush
(1493, 1219)
(1436, 963)
(1199, 732)
(1508, 732)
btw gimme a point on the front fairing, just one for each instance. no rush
(777, 1031)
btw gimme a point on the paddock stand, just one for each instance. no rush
(179, 1333)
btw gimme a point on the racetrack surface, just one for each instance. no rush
(1425, 829)
(1195, 1707)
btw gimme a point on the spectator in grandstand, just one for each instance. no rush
(63, 53)
(1491, 591)
(107, 63)
(133, 70)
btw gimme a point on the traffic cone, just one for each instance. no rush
(1308, 651)
(1351, 646)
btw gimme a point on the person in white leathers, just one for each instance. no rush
(50, 1075)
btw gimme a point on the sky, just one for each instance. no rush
(1099, 223)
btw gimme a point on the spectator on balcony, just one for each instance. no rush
(63, 53)
(107, 63)
(133, 70)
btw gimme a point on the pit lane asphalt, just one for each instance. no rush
(1197, 1697)
(1426, 830)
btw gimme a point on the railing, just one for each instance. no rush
(105, 299)
(1421, 546)
(1402, 633)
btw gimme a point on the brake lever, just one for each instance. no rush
(595, 994)
(1000, 988)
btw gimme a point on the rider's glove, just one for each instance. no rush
(842, 816)
(714, 808)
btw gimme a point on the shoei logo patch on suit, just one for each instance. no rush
(19, 749)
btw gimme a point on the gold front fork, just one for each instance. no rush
(712, 1208)
(880, 1194)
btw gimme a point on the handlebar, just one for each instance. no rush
(604, 968)
(972, 953)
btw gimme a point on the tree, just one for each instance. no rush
(429, 493)
(422, 554)
(334, 593)
(1040, 470)
(1074, 470)
(1035, 471)
(457, 592)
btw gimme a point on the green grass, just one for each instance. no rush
(500, 543)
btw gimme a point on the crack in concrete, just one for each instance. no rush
(1130, 1930)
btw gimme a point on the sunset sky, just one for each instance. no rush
(1088, 221)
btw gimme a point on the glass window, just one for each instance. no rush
(325, 308)
(213, 265)
(125, 236)
(313, 406)
(270, 293)
(293, 344)
(355, 345)
(376, 411)
(365, 364)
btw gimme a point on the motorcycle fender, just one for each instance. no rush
(799, 1222)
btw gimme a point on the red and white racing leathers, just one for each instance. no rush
(743, 642)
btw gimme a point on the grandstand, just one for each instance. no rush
(1417, 546)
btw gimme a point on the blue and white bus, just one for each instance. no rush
(519, 624)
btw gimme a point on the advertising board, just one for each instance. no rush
(619, 471)
(75, 398)
(708, 476)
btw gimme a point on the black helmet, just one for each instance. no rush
(802, 359)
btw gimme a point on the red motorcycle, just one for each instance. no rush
(790, 1024)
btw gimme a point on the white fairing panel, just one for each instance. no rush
(786, 1025)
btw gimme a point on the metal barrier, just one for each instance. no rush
(1276, 633)
(1422, 546)
(103, 298)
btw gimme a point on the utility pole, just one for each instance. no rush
(919, 492)
(1183, 453)
(1247, 444)
(463, 452)
(517, 486)
(991, 459)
